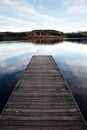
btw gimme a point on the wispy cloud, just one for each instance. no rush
(76, 6)
(22, 15)
(26, 15)
(15, 24)
(75, 26)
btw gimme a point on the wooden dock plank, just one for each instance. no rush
(42, 100)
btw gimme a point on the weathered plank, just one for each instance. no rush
(42, 100)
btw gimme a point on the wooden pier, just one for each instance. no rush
(42, 100)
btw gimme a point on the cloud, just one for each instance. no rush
(76, 6)
(21, 15)
(75, 26)
(14, 24)
(26, 15)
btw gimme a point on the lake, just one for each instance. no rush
(71, 57)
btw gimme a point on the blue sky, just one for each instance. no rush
(27, 15)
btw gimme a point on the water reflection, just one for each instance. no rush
(78, 40)
(70, 57)
(45, 40)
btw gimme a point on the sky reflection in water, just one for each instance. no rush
(70, 57)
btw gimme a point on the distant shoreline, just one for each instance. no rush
(44, 35)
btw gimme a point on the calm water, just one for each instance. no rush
(71, 58)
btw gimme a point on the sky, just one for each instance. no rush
(27, 15)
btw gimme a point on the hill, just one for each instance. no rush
(41, 34)
(32, 34)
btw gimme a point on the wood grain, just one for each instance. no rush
(42, 100)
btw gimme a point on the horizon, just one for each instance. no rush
(40, 30)
(67, 16)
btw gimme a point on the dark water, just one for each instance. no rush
(71, 58)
